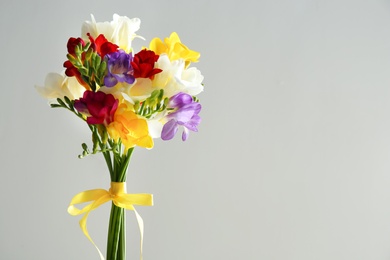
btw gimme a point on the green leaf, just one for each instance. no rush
(155, 103)
(72, 59)
(136, 106)
(69, 102)
(88, 54)
(102, 69)
(61, 102)
(83, 71)
(96, 61)
(84, 146)
(86, 47)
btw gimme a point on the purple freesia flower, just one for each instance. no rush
(119, 66)
(185, 114)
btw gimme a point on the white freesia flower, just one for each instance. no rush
(191, 79)
(59, 85)
(155, 127)
(138, 91)
(175, 78)
(116, 91)
(121, 30)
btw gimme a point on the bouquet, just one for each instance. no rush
(127, 98)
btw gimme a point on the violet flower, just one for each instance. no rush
(186, 115)
(119, 67)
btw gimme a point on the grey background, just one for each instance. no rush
(291, 161)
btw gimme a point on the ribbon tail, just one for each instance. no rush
(83, 226)
(141, 230)
(85, 196)
(83, 221)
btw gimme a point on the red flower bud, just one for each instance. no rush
(71, 71)
(72, 43)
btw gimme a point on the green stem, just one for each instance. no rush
(125, 165)
(122, 238)
(116, 243)
(107, 157)
(116, 240)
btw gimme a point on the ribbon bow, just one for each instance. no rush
(117, 193)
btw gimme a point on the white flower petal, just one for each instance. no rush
(124, 31)
(141, 89)
(155, 127)
(120, 31)
(58, 85)
(175, 78)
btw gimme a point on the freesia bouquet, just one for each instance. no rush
(127, 99)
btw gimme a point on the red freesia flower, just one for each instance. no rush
(72, 43)
(102, 46)
(99, 107)
(71, 70)
(143, 64)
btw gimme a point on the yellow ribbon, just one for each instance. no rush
(117, 193)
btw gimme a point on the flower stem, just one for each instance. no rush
(116, 240)
(122, 237)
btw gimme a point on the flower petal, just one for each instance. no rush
(193, 123)
(184, 114)
(169, 130)
(185, 134)
(180, 100)
(110, 80)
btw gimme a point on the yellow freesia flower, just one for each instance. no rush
(175, 50)
(132, 130)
